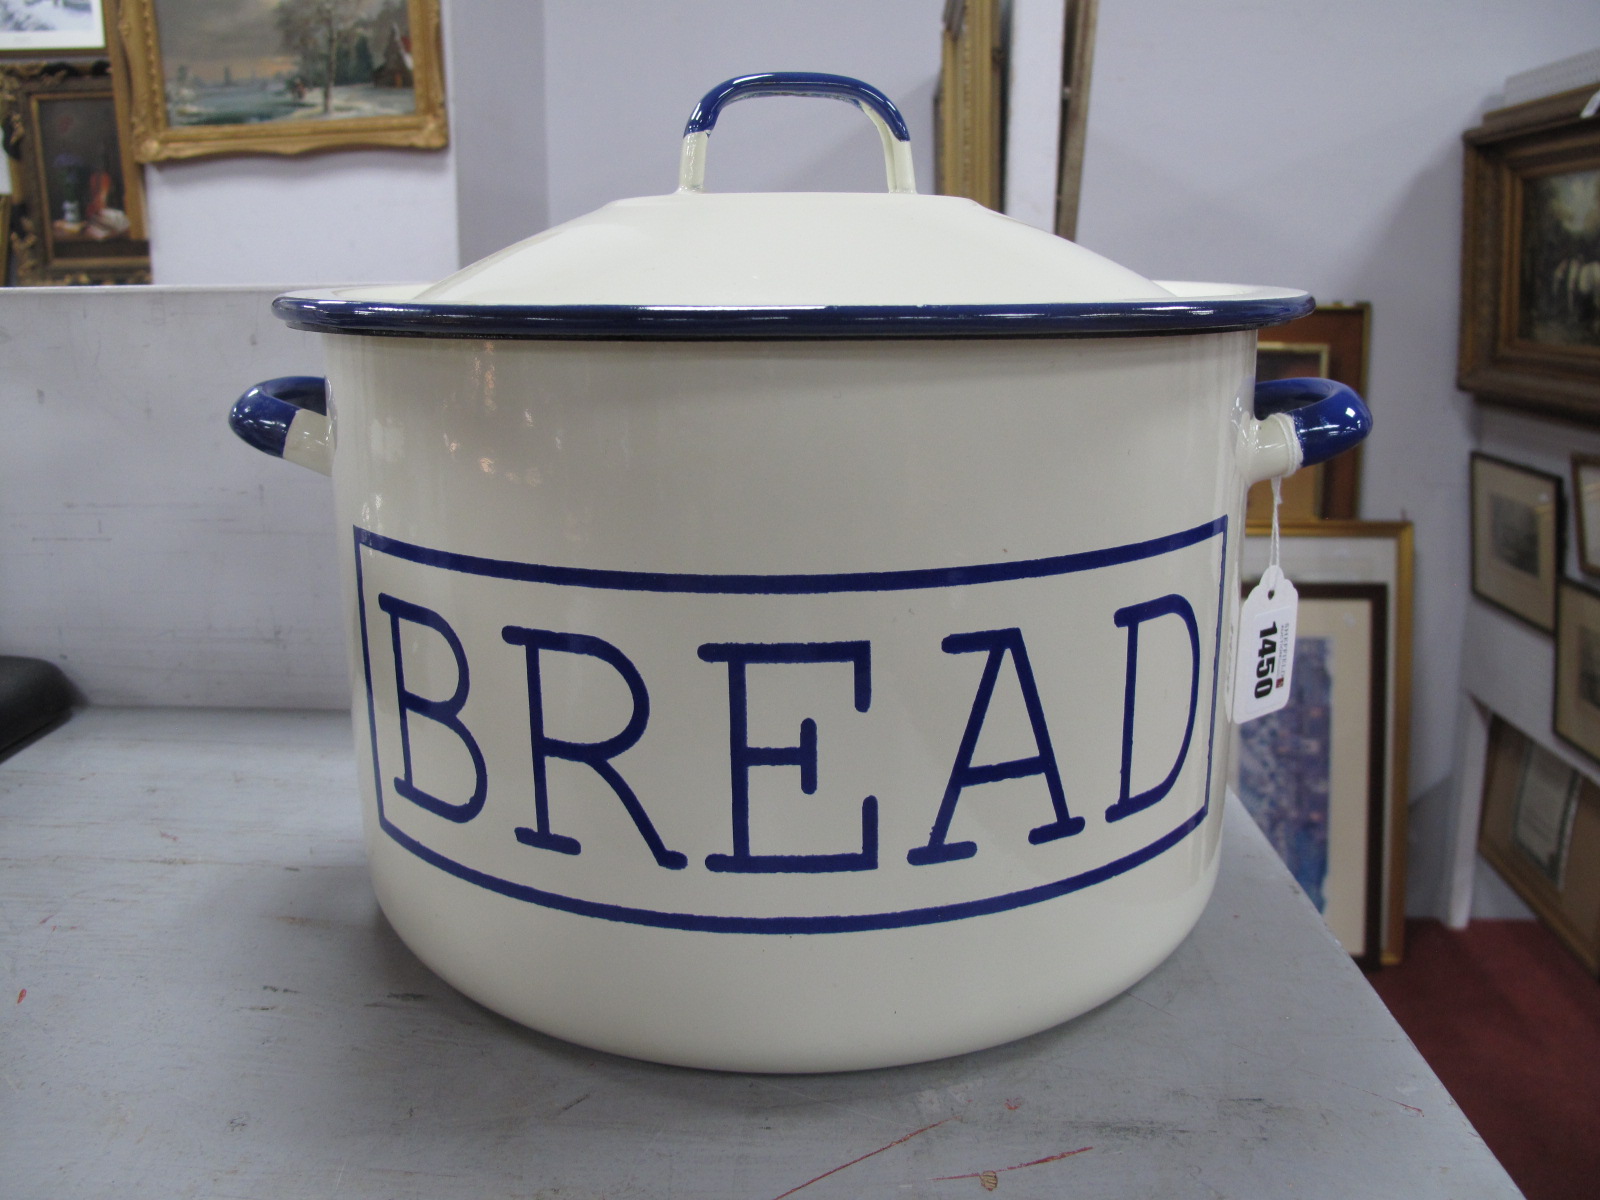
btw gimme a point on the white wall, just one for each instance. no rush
(1033, 104)
(497, 58)
(1318, 145)
(360, 216)
(622, 78)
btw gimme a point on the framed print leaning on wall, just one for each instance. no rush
(1370, 553)
(1577, 699)
(282, 76)
(1312, 773)
(1516, 538)
(1530, 267)
(1541, 834)
(1586, 510)
(80, 195)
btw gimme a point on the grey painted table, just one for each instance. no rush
(202, 1000)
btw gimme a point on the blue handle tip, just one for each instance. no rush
(1329, 418)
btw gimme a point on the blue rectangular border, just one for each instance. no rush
(792, 585)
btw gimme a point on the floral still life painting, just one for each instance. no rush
(79, 215)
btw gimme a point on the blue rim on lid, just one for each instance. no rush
(331, 312)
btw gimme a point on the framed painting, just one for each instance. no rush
(1577, 675)
(80, 196)
(1312, 774)
(1530, 273)
(1586, 508)
(1359, 554)
(51, 28)
(1328, 343)
(5, 240)
(1541, 834)
(282, 76)
(1516, 539)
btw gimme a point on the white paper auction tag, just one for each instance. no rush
(1265, 655)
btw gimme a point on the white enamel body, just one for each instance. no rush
(633, 492)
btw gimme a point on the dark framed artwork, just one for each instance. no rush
(1586, 510)
(1516, 538)
(282, 76)
(51, 28)
(1577, 675)
(1530, 271)
(80, 196)
(1313, 773)
(1328, 343)
(1541, 834)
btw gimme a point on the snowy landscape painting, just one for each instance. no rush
(238, 62)
(50, 26)
(283, 76)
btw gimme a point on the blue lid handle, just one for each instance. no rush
(891, 126)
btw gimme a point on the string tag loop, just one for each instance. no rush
(1264, 656)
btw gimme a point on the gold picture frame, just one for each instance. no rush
(1530, 301)
(969, 106)
(1541, 834)
(1517, 538)
(80, 215)
(972, 97)
(1381, 553)
(258, 84)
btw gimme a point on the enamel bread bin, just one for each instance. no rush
(789, 632)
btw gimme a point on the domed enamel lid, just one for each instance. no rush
(698, 264)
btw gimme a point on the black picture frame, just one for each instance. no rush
(1518, 536)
